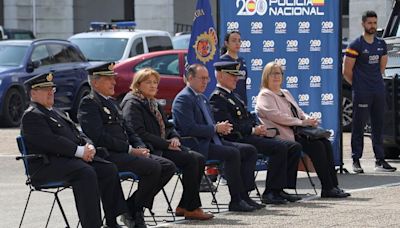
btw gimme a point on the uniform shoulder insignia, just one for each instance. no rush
(30, 108)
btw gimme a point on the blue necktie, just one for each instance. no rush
(207, 116)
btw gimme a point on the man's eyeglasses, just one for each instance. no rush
(207, 79)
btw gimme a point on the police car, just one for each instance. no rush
(119, 41)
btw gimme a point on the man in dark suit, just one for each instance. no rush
(192, 117)
(283, 155)
(71, 157)
(101, 120)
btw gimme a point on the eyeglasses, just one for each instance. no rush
(207, 79)
(276, 74)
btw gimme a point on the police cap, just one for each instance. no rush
(40, 81)
(104, 69)
(228, 67)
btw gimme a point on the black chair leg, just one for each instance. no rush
(169, 204)
(51, 211)
(214, 199)
(61, 209)
(26, 206)
(308, 174)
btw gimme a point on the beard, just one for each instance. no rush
(370, 31)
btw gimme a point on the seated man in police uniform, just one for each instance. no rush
(101, 120)
(283, 155)
(69, 156)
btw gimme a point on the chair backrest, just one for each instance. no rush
(23, 151)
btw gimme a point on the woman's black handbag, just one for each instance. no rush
(312, 133)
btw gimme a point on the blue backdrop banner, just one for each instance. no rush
(203, 46)
(303, 36)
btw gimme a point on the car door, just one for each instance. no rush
(70, 73)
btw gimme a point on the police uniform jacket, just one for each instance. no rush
(102, 121)
(51, 134)
(228, 106)
(140, 119)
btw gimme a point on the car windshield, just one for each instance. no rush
(101, 49)
(12, 55)
(181, 42)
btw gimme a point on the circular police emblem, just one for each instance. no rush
(49, 77)
(206, 46)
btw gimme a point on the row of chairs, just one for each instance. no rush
(56, 187)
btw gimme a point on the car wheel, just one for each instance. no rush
(13, 108)
(391, 152)
(347, 112)
(85, 90)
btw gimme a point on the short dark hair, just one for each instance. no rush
(192, 69)
(368, 13)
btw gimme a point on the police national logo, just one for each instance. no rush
(205, 46)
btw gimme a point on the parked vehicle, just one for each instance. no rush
(119, 41)
(171, 66)
(181, 41)
(23, 59)
(15, 34)
(391, 35)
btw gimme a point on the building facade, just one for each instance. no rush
(62, 18)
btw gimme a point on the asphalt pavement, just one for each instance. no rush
(374, 201)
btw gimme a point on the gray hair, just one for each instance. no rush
(92, 77)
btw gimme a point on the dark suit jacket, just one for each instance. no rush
(46, 133)
(228, 106)
(139, 119)
(189, 120)
(102, 122)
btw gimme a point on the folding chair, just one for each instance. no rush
(261, 165)
(132, 177)
(304, 159)
(49, 187)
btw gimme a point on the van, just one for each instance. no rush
(107, 42)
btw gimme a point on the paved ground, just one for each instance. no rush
(374, 201)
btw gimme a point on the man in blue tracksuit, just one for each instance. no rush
(364, 64)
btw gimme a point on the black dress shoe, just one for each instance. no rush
(334, 193)
(254, 204)
(273, 198)
(341, 190)
(289, 197)
(127, 220)
(240, 206)
(111, 226)
(139, 220)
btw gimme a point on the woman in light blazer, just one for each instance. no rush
(276, 107)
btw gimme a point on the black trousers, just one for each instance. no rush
(372, 105)
(154, 173)
(90, 183)
(321, 155)
(283, 159)
(192, 165)
(239, 164)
